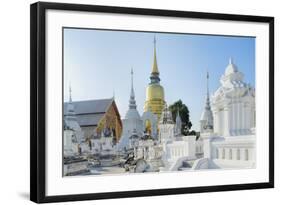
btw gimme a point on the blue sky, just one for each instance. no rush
(97, 63)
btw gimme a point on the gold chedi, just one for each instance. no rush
(155, 98)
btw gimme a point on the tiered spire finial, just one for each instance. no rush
(207, 83)
(70, 114)
(166, 116)
(178, 123)
(132, 102)
(154, 77)
(207, 106)
(207, 115)
(132, 81)
(155, 66)
(178, 118)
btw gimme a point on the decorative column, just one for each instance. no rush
(230, 114)
(216, 120)
(220, 153)
(234, 111)
(240, 118)
(226, 153)
(247, 117)
(252, 117)
(226, 121)
(207, 146)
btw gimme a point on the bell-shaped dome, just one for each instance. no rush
(207, 115)
(132, 114)
(155, 91)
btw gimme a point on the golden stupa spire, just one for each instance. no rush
(154, 66)
(155, 99)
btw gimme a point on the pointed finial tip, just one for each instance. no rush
(230, 60)
(132, 80)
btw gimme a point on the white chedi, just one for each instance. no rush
(206, 120)
(73, 134)
(132, 122)
(71, 122)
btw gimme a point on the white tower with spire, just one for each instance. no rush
(73, 135)
(233, 142)
(233, 104)
(70, 119)
(132, 123)
(206, 120)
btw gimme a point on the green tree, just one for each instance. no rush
(184, 114)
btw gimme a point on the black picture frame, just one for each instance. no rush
(38, 101)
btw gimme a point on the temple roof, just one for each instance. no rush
(89, 119)
(90, 112)
(90, 106)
